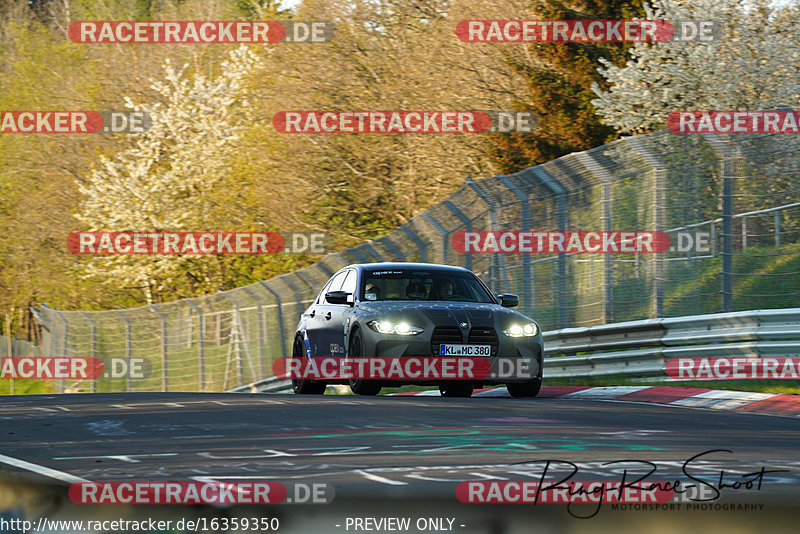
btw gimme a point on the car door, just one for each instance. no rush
(317, 317)
(334, 317)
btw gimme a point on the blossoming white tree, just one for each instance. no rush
(752, 63)
(164, 181)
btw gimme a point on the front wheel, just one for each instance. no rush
(525, 389)
(357, 385)
(299, 385)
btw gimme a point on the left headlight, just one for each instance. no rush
(389, 327)
(522, 330)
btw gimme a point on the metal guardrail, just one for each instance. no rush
(642, 348)
(272, 384)
(647, 345)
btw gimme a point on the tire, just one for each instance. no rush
(358, 386)
(300, 386)
(525, 389)
(456, 389)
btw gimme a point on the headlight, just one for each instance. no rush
(388, 327)
(522, 330)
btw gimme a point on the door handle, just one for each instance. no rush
(313, 313)
(328, 316)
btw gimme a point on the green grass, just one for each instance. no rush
(27, 387)
(765, 272)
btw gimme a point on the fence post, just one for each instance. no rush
(128, 347)
(93, 345)
(728, 156)
(777, 218)
(9, 353)
(421, 245)
(430, 219)
(241, 337)
(394, 249)
(525, 212)
(744, 233)
(659, 205)
(260, 333)
(498, 258)
(607, 201)
(727, 235)
(466, 221)
(280, 316)
(299, 308)
(201, 348)
(561, 221)
(164, 370)
(64, 346)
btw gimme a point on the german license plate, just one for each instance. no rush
(465, 350)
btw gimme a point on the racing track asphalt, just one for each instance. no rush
(383, 446)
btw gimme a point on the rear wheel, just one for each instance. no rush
(456, 389)
(300, 386)
(360, 386)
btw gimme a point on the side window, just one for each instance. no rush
(321, 297)
(349, 285)
(334, 285)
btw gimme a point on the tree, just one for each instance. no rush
(558, 79)
(166, 180)
(385, 55)
(753, 64)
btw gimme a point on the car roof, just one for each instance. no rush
(405, 265)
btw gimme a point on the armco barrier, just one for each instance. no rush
(648, 344)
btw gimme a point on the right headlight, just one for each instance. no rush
(522, 330)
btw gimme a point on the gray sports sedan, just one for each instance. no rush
(417, 311)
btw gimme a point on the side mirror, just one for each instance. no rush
(337, 297)
(508, 300)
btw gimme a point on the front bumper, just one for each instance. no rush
(513, 360)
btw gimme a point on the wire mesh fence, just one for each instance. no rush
(738, 195)
(17, 348)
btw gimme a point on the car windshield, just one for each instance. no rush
(414, 284)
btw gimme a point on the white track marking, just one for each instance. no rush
(604, 392)
(40, 469)
(722, 400)
(376, 478)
